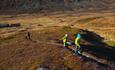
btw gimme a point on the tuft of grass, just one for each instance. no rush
(7, 39)
(11, 38)
(88, 19)
(111, 43)
(67, 29)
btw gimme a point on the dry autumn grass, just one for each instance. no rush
(18, 53)
(22, 54)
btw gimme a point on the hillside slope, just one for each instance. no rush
(56, 4)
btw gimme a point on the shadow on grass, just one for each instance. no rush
(97, 46)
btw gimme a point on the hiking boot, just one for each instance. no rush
(79, 52)
(76, 54)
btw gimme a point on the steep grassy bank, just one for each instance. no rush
(56, 4)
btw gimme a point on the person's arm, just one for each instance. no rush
(63, 37)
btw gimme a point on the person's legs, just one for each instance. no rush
(76, 48)
(64, 44)
(79, 49)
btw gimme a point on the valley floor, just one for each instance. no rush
(19, 53)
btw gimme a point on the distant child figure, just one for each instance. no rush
(65, 40)
(28, 36)
(77, 45)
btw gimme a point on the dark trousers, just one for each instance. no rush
(77, 49)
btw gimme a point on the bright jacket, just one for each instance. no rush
(64, 39)
(77, 40)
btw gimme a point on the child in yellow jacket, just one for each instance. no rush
(65, 40)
